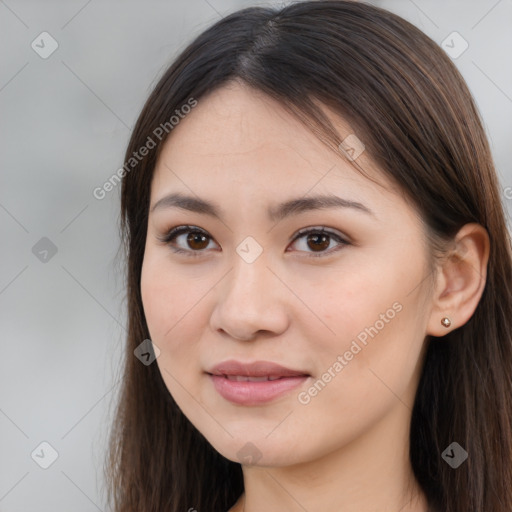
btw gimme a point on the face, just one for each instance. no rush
(336, 294)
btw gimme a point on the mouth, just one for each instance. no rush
(244, 378)
(254, 383)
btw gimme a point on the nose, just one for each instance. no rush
(251, 300)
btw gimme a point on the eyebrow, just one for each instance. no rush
(275, 214)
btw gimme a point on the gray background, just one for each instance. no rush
(66, 121)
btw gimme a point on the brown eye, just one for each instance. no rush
(318, 242)
(197, 240)
(193, 241)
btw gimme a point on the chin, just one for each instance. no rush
(258, 451)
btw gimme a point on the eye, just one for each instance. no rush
(319, 239)
(196, 238)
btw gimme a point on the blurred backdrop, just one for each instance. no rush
(73, 78)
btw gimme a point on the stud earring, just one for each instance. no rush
(446, 321)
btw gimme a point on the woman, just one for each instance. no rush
(317, 250)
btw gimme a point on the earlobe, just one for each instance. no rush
(461, 281)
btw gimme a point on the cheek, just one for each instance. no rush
(341, 307)
(157, 299)
(173, 311)
(166, 303)
(368, 324)
(166, 296)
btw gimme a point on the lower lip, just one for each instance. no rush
(254, 393)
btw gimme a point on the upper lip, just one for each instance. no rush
(254, 369)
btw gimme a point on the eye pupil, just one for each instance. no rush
(319, 238)
(196, 237)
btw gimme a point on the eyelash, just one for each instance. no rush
(179, 230)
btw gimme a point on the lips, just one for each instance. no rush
(243, 378)
(258, 369)
(254, 383)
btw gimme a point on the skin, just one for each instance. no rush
(346, 450)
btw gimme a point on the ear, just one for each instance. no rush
(461, 280)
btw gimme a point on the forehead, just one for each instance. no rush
(239, 139)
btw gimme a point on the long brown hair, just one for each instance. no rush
(408, 103)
